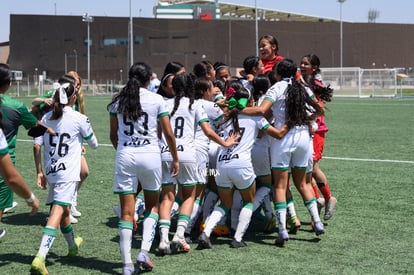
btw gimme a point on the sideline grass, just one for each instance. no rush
(370, 233)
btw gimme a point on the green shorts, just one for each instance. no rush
(6, 195)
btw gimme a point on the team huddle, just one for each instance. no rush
(203, 149)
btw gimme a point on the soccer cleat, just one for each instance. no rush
(128, 269)
(72, 219)
(236, 244)
(321, 203)
(144, 262)
(164, 247)
(74, 212)
(2, 233)
(282, 237)
(221, 230)
(294, 224)
(329, 208)
(181, 244)
(318, 227)
(38, 266)
(74, 250)
(10, 209)
(204, 241)
(188, 238)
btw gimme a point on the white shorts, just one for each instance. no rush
(240, 178)
(261, 159)
(293, 150)
(187, 175)
(212, 154)
(202, 166)
(132, 167)
(61, 193)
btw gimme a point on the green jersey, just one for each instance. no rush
(15, 113)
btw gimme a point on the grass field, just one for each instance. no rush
(369, 162)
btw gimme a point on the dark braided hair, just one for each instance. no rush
(129, 104)
(321, 91)
(183, 85)
(261, 84)
(301, 109)
(239, 91)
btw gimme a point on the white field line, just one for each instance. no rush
(371, 160)
(325, 157)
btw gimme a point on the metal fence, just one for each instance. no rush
(347, 82)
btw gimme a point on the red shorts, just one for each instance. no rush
(318, 144)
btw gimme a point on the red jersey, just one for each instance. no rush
(268, 64)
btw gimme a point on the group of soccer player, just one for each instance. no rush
(266, 120)
(211, 149)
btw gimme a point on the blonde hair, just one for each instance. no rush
(80, 101)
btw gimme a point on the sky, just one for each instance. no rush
(395, 11)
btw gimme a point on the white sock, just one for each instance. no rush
(212, 220)
(312, 207)
(174, 209)
(244, 221)
(281, 215)
(140, 205)
(210, 201)
(148, 230)
(291, 211)
(125, 241)
(48, 237)
(194, 215)
(182, 224)
(164, 230)
(235, 209)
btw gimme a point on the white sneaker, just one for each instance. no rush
(73, 220)
(10, 209)
(75, 212)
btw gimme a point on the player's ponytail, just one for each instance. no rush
(61, 98)
(129, 103)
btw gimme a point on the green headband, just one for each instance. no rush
(240, 104)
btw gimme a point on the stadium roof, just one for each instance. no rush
(231, 10)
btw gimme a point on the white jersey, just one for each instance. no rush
(141, 135)
(239, 156)
(4, 148)
(214, 114)
(277, 95)
(62, 154)
(184, 123)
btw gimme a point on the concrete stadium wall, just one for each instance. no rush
(39, 41)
